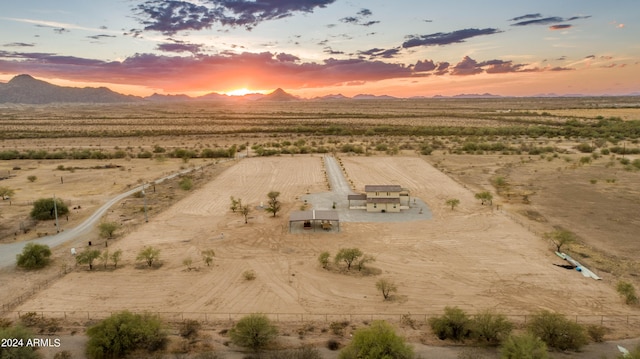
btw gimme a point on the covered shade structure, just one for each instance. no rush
(327, 220)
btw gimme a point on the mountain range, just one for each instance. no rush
(28, 90)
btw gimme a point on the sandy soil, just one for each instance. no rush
(471, 257)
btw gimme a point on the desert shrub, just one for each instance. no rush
(337, 328)
(378, 341)
(386, 286)
(584, 148)
(254, 331)
(123, 333)
(186, 183)
(455, 324)
(88, 256)
(348, 256)
(189, 329)
(249, 275)
(32, 178)
(490, 328)
(300, 353)
(145, 154)
(34, 256)
(557, 331)
(596, 333)
(333, 344)
(323, 258)
(626, 290)
(526, 346)
(17, 333)
(604, 151)
(43, 209)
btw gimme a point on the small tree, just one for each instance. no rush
(386, 286)
(273, 205)
(207, 256)
(105, 258)
(149, 255)
(124, 332)
(6, 192)
(347, 255)
(34, 256)
(235, 204)
(254, 331)
(323, 258)
(245, 211)
(485, 197)
(364, 260)
(32, 178)
(453, 202)
(558, 331)
(115, 257)
(378, 341)
(526, 346)
(560, 238)
(87, 257)
(107, 229)
(44, 209)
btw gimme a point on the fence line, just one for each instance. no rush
(207, 317)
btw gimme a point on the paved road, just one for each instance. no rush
(9, 251)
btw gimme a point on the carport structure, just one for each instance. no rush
(327, 220)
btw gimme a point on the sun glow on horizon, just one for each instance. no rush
(241, 92)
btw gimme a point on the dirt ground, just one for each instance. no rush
(475, 257)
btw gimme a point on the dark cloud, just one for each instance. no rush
(560, 27)
(330, 51)
(360, 19)
(282, 57)
(527, 16)
(18, 44)
(172, 16)
(467, 66)
(442, 38)
(179, 46)
(426, 65)
(375, 53)
(548, 20)
(60, 30)
(365, 12)
(99, 37)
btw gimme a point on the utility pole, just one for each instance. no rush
(55, 211)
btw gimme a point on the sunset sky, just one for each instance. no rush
(312, 48)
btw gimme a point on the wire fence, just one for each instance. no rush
(617, 320)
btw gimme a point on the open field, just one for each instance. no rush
(475, 257)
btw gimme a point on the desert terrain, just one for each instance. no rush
(475, 256)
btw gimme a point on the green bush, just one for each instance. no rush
(455, 324)
(557, 331)
(596, 333)
(490, 328)
(34, 256)
(627, 290)
(526, 346)
(378, 341)
(124, 332)
(43, 209)
(17, 334)
(254, 331)
(186, 183)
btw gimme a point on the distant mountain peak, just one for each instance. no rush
(279, 95)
